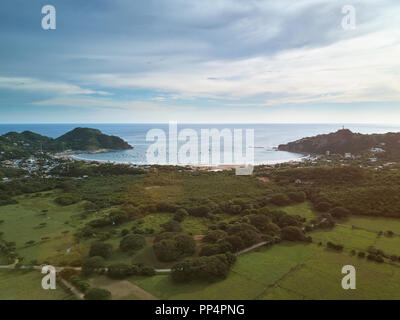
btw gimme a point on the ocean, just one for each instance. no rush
(266, 137)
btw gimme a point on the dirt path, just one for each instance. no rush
(121, 288)
(252, 248)
(75, 291)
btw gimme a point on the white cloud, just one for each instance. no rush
(61, 88)
(363, 69)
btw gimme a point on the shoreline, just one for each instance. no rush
(74, 156)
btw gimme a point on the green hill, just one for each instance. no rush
(343, 141)
(91, 139)
(15, 145)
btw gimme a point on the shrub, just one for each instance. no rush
(119, 271)
(297, 196)
(292, 234)
(100, 249)
(169, 246)
(202, 211)
(214, 236)
(91, 264)
(203, 268)
(337, 247)
(339, 212)
(132, 242)
(166, 250)
(280, 199)
(322, 206)
(171, 226)
(98, 294)
(66, 199)
(180, 215)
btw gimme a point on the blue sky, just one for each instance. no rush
(200, 61)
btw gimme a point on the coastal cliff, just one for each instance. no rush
(345, 141)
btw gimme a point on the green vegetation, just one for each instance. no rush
(27, 285)
(123, 223)
(22, 145)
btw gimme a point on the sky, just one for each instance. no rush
(208, 61)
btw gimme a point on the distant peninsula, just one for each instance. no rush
(345, 141)
(22, 144)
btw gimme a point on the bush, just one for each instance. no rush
(214, 236)
(98, 294)
(203, 268)
(100, 249)
(280, 199)
(218, 248)
(339, 212)
(337, 247)
(297, 196)
(166, 250)
(67, 199)
(292, 234)
(322, 206)
(202, 211)
(171, 226)
(119, 271)
(132, 242)
(123, 270)
(169, 246)
(91, 264)
(180, 215)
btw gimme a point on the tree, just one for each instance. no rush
(297, 196)
(119, 271)
(339, 212)
(169, 246)
(292, 234)
(132, 242)
(97, 294)
(203, 268)
(214, 235)
(100, 249)
(91, 264)
(165, 250)
(171, 226)
(322, 206)
(185, 244)
(180, 215)
(280, 199)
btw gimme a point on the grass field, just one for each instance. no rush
(35, 218)
(374, 223)
(303, 210)
(26, 285)
(286, 271)
(349, 238)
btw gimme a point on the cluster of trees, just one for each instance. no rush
(337, 247)
(80, 168)
(97, 294)
(123, 270)
(203, 268)
(266, 225)
(320, 175)
(170, 246)
(292, 233)
(19, 187)
(132, 242)
(114, 217)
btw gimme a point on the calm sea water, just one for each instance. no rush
(266, 136)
